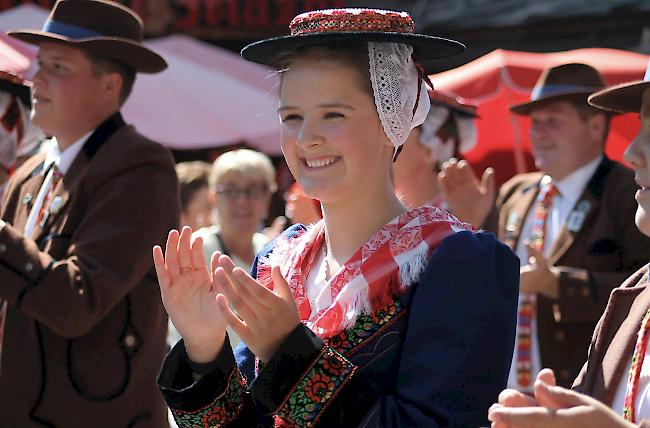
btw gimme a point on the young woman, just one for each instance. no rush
(376, 315)
(613, 388)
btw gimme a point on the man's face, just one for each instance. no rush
(67, 92)
(637, 155)
(562, 140)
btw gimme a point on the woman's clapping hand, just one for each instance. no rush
(189, 295)
(261, 318)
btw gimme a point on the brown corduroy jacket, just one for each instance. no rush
(85, 330)
(593, 258)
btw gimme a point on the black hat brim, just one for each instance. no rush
(623, 98)
(427, 49)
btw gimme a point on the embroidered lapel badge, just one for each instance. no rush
(27, 199)
(578, 215)
(56, 205)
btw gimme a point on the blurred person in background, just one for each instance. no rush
(196, 201)
(300, 208)
(19, 137)
(448, 132)
(613, 388)
(570, 223)
(82, 320)
(242, 182)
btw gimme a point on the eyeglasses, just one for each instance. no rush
(233, 193)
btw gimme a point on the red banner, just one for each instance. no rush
(226, 19)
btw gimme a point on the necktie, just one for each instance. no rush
(57, 176)
(526, 310)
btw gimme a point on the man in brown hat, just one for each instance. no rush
(612, 389)
(570, 224)
(84, 327)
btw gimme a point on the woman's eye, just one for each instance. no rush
(333, 115)
(291, 117)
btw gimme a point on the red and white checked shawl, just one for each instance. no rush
(385, 266)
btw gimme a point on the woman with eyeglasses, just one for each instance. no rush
(376, 315)
(241, 182)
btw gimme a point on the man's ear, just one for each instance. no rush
(597, 125)
(113, 84)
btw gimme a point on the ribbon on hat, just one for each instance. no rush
(68, 30)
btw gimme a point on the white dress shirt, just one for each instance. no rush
(62, 160)
(570, 188)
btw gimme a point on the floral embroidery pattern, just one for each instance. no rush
(223, 410)
(365, 327)
(332, 369)
(316, 388)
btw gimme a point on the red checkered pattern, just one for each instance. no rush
(372, 274)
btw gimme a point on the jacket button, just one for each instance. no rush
(29, 267)
(564, 374)
(559, 336)
(3, 248)
(584, 291)
(129, 340)
(571, 291)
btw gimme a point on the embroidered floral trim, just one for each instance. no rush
(223, 410)
(351, 20)
(319, 385)
(365, 327)
(325, 377)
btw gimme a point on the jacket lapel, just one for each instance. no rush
(615, 344)
(517, 212)
(582, 214)
(65, 188)
(28, 191)
(62, 192)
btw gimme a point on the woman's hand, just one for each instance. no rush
(188, 295)
(261, 318)
(563, 409)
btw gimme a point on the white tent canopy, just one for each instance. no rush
(207, 97)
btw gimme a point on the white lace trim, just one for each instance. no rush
(394, 79)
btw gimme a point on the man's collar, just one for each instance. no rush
(63, 159)
(574, 183)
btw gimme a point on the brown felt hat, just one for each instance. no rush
(563, 82)
(100, 27)
(623, 98)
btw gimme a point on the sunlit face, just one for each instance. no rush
(198, 211)
(66, 91)
(637, 154)
(242, 202)
(562, 141)
(332, 139)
